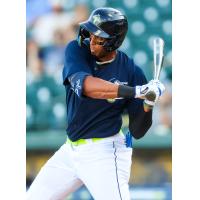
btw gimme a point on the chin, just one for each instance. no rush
(94, 53)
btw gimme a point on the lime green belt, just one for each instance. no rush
(85, 141)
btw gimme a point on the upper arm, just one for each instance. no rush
(137, 77)
(75, 60)
(135, 106)
(76, 67)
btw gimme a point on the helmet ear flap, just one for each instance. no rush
(109, 44)
(82, 35)
(112, 44)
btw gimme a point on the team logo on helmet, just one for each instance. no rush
(96, 19)
(97, 32)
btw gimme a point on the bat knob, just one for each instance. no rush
(151, 96)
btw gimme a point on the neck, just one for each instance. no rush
(105, 62)
(109, 57)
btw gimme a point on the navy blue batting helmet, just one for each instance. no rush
(107, 23)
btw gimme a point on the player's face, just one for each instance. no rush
(96, 46)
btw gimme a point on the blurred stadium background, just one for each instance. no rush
(50, 25)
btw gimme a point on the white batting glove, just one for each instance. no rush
(160, 86)
(156, 89)
(153, 86)
(141, 90)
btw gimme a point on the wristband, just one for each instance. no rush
(126, 91)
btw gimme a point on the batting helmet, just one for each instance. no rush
(107, 23)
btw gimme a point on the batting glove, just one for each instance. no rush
(153, 86)
(150, 92)
(141, 91)
(156, 89)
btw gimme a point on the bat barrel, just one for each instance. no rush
(158, 45)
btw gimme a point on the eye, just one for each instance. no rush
(97, 40)
(100, 43)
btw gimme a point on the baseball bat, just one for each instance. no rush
(158, 48)
(158, 57)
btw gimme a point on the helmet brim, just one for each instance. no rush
(94, 29)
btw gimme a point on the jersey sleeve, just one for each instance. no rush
(76, 67)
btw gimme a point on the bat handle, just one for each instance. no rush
(156, 79)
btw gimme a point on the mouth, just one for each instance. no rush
(92, 49)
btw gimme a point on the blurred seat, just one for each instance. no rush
(58, 115)
(30, 117)
(44, 97)
(41, 95)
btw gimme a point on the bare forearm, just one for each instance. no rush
(99, 89)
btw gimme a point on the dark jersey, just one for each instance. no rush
(97, 118)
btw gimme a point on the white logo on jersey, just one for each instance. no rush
(77, 87)
(114, 80)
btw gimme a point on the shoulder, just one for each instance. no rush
(74, 49)
(133, 67)
(138, 70)
(135, 72)
(72, 45)
(123, 55)
(128, 63)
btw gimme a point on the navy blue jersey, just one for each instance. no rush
(97, 118)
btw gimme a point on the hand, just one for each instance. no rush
(156, 90)
(150, 92)
(141, 91)
(154, 86)
(160, 86)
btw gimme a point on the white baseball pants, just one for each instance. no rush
(102, 166)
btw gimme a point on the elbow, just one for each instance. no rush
(140, 132)
(87, 90)
(90, 88)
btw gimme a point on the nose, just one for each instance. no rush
(92, 41)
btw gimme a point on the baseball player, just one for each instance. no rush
(101, 82)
